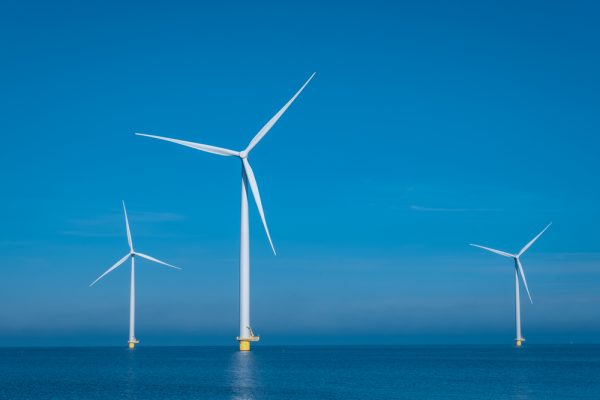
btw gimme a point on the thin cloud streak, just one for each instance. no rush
(450, 209)
(104, 225)
(137, 216)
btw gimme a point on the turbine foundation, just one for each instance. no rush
(519, 342)
(244, 345)
(245, 342)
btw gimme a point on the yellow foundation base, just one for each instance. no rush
(518, 343)
(244, 345)
(131, 345)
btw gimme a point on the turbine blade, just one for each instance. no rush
(528, 245)
(256, 195)
(502, 253)
(275, 118)
(147, 257)
(128, 230)
(198, 146)
(522, 273)
(121, 261)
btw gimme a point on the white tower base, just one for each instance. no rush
(132, 340)
(519, 339)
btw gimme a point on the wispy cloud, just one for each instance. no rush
(84, 233)
(157, 216)
(104, 225)
(110, 219)
(451, 209)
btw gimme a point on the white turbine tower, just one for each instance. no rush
(132, 254)
(246, 334)
(518, 271)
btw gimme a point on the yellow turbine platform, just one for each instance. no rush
(133, 343)
(245, 342)
(519, 342)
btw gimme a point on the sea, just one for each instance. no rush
(302, 372)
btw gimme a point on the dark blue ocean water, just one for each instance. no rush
(429, 372)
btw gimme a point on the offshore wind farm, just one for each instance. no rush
(433, 135)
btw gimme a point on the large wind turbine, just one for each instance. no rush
(246, 334)
(518, 271)
(132, 254)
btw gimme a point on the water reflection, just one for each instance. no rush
(243, 376)
(129, 389)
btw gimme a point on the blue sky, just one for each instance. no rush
(427, 127)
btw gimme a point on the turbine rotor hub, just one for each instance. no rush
(243, 154)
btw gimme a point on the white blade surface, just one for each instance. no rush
(522, 273)
(121, 261)
(502, 253)
(128, 230)
(147, 257)
(198, 146)
(528, 245)
(275, 118)
(256, 195)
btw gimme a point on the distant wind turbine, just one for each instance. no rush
(246, 334)
(518, 271)
(132, 254)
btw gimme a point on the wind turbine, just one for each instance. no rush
(132, 254)
(246, 334)
(518, 271)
